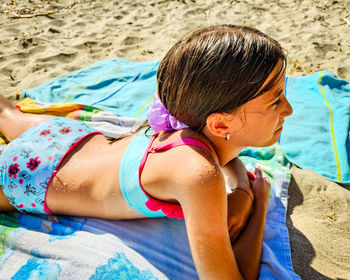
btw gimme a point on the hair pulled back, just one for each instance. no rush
(215, 70)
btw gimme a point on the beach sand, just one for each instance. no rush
(42, 39)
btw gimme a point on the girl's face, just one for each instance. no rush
(262, 118)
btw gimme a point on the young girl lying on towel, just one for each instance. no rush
(220, 89)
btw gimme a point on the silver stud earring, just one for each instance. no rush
(227, 137)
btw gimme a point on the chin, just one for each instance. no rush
(269, 142)
(274, 139)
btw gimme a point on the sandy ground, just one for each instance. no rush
(41, 39)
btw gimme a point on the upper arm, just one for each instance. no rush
(204, 202)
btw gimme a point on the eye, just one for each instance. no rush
(277, 102)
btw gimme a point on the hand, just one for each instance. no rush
(260, 184)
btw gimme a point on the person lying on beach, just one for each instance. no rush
(220, 89)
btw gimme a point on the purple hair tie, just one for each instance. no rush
(160, 119)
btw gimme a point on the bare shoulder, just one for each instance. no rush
(194, 161)
(199, 168)
(201, 192)
(184, 169)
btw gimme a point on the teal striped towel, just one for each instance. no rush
(317, 135)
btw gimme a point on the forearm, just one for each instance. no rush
(240, 199)
(216, 261)
(247, 248)
(239, 208)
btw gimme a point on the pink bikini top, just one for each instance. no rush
(169, 209)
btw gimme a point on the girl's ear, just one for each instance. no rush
(219, 124)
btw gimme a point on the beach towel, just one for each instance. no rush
(57, 247)
(317, 135)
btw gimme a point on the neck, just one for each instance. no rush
(226, 150)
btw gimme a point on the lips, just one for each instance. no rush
(280, 127)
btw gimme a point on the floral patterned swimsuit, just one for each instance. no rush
(28, 163)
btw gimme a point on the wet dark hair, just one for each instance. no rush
(216, 70)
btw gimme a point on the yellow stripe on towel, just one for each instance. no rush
(143, 107)
(337, 161)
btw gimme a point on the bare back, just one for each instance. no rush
(87, 180)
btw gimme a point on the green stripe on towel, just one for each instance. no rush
(331, 122)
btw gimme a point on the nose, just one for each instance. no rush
(287, 109)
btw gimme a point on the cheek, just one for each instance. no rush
(262, 125)
(272, 117)
(263, 120)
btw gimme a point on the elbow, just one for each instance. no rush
(250, 277)
(249, 273)
(235, 229)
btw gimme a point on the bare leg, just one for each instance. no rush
(5, 205)
(13, 122)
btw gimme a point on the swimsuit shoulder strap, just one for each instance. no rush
(170, 210)
(177, 143)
